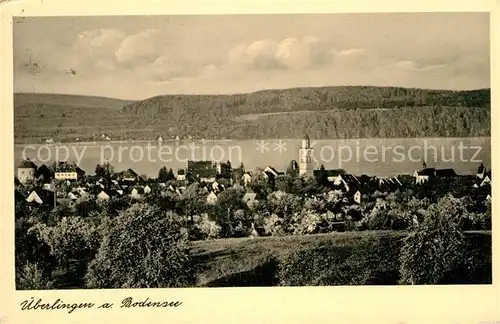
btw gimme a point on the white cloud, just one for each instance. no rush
(141, 47)
(290, 53)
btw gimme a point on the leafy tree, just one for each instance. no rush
(163, 174)
(143, 248)
(435, 248)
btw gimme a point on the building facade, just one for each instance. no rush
(306, 163)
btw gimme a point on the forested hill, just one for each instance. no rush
(329, 112)
(300, 99)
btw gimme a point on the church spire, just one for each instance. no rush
(306, 142)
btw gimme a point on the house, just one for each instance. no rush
(272, 172)
(331, 175)
(211, 198)
(181, 175)
(147, 190)
(159, 139)
(357, 197)
(216, 186)
(445, 173)
(26, 171)
(246, 178)
(129, 175)
(41, 198)
(65, 171)
(137, 192)
(249, 198)
(486, 180)
(207, 176)
(103, 196)
(204, 171)
(424, 175)
(488, 198)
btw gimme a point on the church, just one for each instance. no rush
(306, 162)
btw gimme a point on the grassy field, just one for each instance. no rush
(371, 256)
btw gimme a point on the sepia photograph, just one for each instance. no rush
(252, 150)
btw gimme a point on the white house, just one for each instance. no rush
(485, 181)
(147, 189)
(66, 175)
(357, 197)
(271, 170)
(246, 178)
(249, 199)
(135, 193)
(181, 175)
(26, 171)
(34, 197)
(103, 196)
(211, 198)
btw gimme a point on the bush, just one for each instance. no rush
(273, 225)
(433, 249)
(357, 262)
(30, 277)
(203, 228)
(144, 248)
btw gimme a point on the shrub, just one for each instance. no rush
(30, 277)
(365, 261)
(203, 228)
(273, 225)
(433, 249)
(144, 248)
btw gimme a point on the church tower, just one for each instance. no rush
(306, 164)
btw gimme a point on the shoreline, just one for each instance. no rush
(102, 143)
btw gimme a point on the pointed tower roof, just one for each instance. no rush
(306, 142)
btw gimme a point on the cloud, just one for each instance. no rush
(412, 66)
(140, 48)
(290, 53)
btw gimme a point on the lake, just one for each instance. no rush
(380, 157)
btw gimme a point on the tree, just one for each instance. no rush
(434, 249)
(72, 239)
(322, 179)
(143, 248)
(163, 174)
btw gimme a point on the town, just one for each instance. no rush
(66, 184)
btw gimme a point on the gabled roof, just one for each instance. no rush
(427, 172)
(129, 173)
(445, 173)
(27, 164)
(330, 173)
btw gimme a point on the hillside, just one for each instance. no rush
(328, 112)
(22, 99)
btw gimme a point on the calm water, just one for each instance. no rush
(381, 157)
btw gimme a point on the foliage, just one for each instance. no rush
(332, 112)
(369, 261)
(72, 238)
(144, 248)
(203, 228)
(30, 277)
(434, 248)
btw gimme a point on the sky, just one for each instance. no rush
(136, 57)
